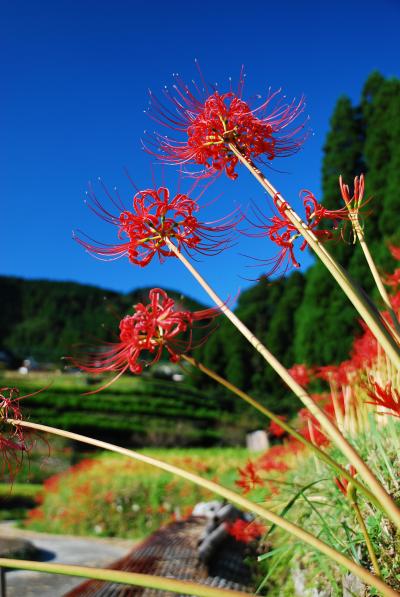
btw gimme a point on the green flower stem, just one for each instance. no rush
(369, 314)
(233, 497)
(330, 429)
(352, 496)
(268, 413)
(368, 543)
(374, 271)
(182, 587)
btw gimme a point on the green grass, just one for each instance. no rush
(24, 490)
(311, 499)
(17, 499)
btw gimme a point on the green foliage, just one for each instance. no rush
(311, 499)
(48, 320)
(16, 499)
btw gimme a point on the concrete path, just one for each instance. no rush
(64, 549)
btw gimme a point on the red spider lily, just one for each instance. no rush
(249, 478)
(209, 121)
(301, 374)
(272, 460)
(9, 403)
(151, 329)
(13, 445)
(395, 251)
(156, 217)
(280, 230)
(343, 483)
(353, 202)
(395, 300)
(245, 531)
(365, 349)
(275, 429)
(394, 279)
(336, 375)
(335, 407)
(387, 397)
(311, 430)
(313, 434)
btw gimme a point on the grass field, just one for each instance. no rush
(133, 411)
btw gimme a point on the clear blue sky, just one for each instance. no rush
(74, 85)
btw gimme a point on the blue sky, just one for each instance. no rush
(74, 87)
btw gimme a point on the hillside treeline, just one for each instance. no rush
(49, 320)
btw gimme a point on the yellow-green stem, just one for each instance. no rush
(369, 314)
(352, 496)
(374, 271)
(368, 543)
(233, 497)
(182, 587)
(268, 413)
(330, 429)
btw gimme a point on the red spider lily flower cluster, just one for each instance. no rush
(244, 531)
(280, 230)
(311, 430)
(274, 459)
(275, 429)
(301, 374)
(249, 478)
(394, 279)
(12, 441)
(342, 483)
(210, 122)
(152, 328)
(335, 375)
(387, 398)
(155, 218)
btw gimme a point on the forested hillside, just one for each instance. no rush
(48, 319)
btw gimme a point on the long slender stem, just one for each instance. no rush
(268, 413)
(182, 587)
(374, 271)
(233, 497)
(369, 314)
(367, 539)
(331, 430)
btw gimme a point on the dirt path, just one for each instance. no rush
(65, 549)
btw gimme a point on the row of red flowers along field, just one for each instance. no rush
(221, 132)
(129, 500)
